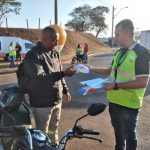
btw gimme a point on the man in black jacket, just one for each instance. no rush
(18, 51)
(47, 85)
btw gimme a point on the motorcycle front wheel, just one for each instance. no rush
(73, 60)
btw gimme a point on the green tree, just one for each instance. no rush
(81, 19)
(86, 18)
(97, 17)
(7, 7)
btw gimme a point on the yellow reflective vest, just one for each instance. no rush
(12, 52)
(131, 98)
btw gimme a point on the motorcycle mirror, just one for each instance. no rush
(96, 109)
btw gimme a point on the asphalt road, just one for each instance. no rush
(80, 103)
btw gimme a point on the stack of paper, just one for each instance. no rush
(92, 85)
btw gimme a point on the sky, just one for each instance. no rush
(138, 11)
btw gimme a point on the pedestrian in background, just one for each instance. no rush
(129, 75)
(47, 86)
(12, 55)
(18, 51)
(86, 49)
(79, 52)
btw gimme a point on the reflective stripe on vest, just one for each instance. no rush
(121, 73)
(126, 72)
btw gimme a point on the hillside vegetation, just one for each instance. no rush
(73, 39)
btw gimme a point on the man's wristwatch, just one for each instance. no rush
(116, 87)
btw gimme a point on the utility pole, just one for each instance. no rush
(56, 12)
(27, 23)
(6, 23)
(112, 31)
(113, 16)
(39, 23)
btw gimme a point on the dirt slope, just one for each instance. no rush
(73, 39)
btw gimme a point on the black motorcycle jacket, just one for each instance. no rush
(47, 84)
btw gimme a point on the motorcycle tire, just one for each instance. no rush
(73, 60)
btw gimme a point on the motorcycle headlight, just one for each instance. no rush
(39, 136)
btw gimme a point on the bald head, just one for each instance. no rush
(49, 37)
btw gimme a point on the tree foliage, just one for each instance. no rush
(81, 19)
(97, 16)
(86, 18)
(7, 7)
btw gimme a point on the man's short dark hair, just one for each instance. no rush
(49, 30)
(126, 24)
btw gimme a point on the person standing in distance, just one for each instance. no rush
(18, 51)
(129, 75)
(47, 86)
(86, 49)
(12, 54)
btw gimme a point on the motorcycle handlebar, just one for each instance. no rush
(81, 131)
(92, 132)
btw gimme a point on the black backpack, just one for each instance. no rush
(23, 78)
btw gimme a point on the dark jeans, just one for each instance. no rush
(12, 61)
(85, 56)
(124, 121)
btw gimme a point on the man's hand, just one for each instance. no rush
(88, 65)
(109, 86)
(70, 71)
(67, 97)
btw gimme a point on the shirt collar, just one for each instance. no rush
(133, 45)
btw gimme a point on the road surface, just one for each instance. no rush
(78, 107)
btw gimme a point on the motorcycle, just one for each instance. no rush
(78, 58)
(16, 136)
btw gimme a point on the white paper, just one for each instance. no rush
(95, 83)
(82, 68)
